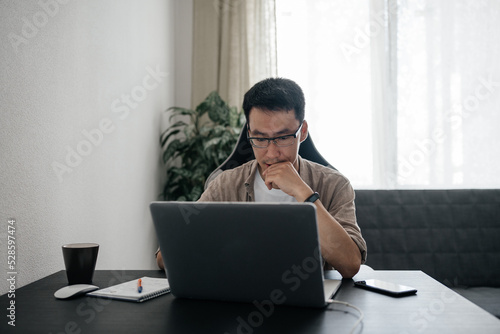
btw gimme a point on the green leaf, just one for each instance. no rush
(211, 143)
(183, 173)
(178, 124)
(172, 150)
(181, 111)
(190, 130)
(196, 193)
(172, 133)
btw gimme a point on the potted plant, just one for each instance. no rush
(206, 141)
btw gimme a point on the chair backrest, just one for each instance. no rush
(243, 153)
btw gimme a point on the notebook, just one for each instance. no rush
(151, 288)
(244, 252)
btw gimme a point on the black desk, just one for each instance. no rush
(435, 309)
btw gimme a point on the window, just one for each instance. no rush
(399, 94)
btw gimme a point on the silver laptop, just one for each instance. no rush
(243, 252)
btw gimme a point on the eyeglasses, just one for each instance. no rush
(281, 141)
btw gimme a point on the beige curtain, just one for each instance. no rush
(234, 46)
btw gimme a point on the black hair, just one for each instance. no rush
(275, 94)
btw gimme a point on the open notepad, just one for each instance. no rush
(151, 288)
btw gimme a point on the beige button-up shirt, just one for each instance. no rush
(335, 190)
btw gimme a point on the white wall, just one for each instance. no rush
(68, 67)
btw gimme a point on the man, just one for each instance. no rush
(274, 109)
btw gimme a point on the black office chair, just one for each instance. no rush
(243, 152)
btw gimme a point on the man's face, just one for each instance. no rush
(271, 124)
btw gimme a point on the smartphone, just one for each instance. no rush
(387, 288)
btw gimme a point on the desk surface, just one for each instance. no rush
(435, 309)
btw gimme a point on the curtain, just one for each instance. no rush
(234, 46)
(448, 93)
(399, 94)
(322, 46)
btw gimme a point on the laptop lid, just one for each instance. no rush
(242, 251)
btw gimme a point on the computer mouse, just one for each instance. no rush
(74, 290)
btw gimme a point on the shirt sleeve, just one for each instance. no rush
(210, 194)
(342, 208)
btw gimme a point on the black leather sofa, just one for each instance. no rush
(451, 235)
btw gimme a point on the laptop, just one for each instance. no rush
(243, 252)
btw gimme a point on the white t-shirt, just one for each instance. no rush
(263, 194)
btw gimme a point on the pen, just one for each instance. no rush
(139, 285)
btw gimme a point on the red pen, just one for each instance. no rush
(139, 285)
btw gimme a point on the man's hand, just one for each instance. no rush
(159, 260)
(284, 176)
(337, 247)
